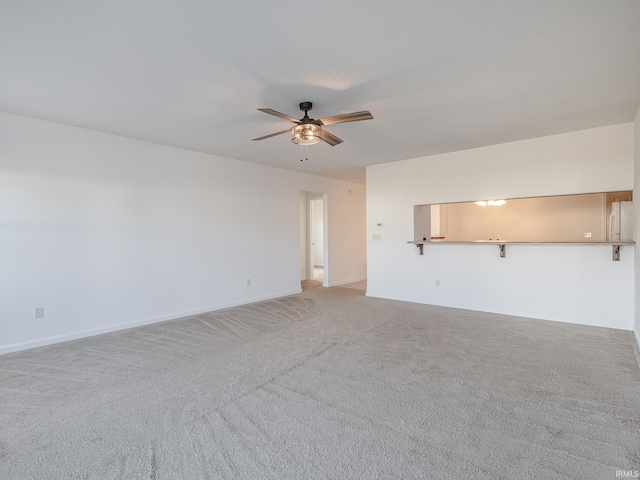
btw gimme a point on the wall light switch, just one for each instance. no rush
(379, 224)
(377, 237)
(39, 312)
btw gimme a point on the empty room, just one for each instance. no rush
(337, 241)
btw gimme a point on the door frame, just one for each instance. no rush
(325, 236)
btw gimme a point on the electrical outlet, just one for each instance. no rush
(587, 234)
(377, 237)
(39, 312)
(248, 282)
(437, 282)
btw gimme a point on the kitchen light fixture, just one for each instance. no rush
(490, 203)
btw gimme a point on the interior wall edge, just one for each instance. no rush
(636, 196)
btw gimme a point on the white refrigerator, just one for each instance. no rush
(621, 222)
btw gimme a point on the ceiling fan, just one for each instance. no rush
(309, 131)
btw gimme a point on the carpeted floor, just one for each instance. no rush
(326, 384)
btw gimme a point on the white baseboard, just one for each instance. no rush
(136, 323)
(344, 282)
(617, 325)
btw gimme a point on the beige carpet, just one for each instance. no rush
(326, 384)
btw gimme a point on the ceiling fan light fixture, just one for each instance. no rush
(309, 131)
(306, 134)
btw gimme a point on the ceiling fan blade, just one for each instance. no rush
(347, 117)
(330, 138)
(278, 114)
(272, 135)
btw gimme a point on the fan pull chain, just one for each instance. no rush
(304, 152)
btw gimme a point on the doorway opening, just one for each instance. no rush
(314, 269)
(317, 239)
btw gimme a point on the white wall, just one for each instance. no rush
(636, 197)
(578, 284)
(317, 218)
(107, 232)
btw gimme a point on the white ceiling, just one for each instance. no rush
(437, 76)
